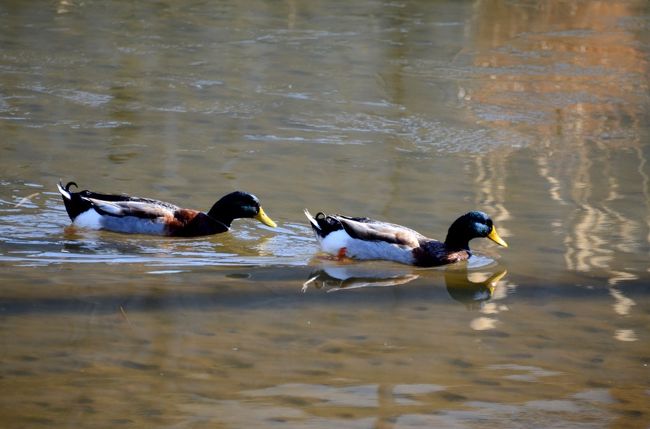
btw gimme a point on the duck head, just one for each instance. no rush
(238, 205)
(474, 224)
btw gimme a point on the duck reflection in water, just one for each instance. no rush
(460, 285)
(472, 293)
(334, 278)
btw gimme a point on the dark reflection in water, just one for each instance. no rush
(472, 293)
(346, 277)
(459, 285)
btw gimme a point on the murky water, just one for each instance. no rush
(413, 112)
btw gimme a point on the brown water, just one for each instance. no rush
(535, 112)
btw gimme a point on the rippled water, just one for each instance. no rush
(535, 112)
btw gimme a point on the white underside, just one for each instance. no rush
(89, 219)
(361, 249)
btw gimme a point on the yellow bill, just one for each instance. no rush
(493, 280)
(262, 217)
(495, 237)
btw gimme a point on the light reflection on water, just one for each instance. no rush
(413, 113)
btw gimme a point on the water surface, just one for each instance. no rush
(413, 112)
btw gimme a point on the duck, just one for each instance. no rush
(136, 215)
(364, 238)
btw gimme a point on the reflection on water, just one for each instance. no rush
(588, 107)
(463, 289)
(534, 112)
(470, 288)
(347, 277)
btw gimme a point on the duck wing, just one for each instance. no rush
(367, 229)
(122, 206)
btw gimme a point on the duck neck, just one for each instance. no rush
(222, 212)
(456, 241)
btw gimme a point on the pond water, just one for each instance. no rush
(537, 113)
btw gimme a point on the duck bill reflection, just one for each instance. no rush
(262, 217)
(470, 293)
(495, 237)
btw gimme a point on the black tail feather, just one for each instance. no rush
(326, 224)
(74, 205)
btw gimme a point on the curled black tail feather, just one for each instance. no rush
(327, 224)
(74, 204)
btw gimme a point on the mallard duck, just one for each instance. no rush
(364, 238)
(123, 213)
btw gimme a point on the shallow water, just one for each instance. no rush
(415, 112)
